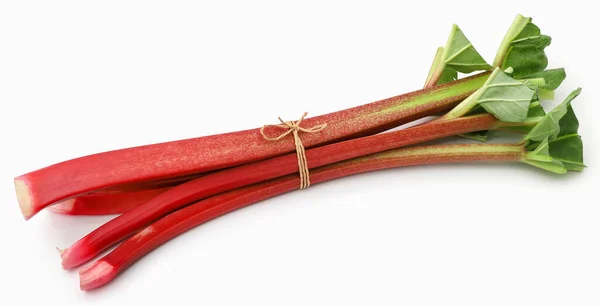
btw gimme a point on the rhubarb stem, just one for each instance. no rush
(39, 189)
(176, 223)
(434, 72)
(128, 223)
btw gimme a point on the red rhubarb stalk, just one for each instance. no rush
(106, 203)
(172, 225)
(553, 145)
(39, 189)
(221, 181)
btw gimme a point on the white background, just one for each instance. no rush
(80, 77)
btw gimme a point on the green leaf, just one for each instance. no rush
(505, 98)
(569, 123)
(552, 77)
(502, 96)
(549, 126)
(459, 55)
(448, 75)
(523, 48)
(554, 143)
(540, 157)
(552, 80)
(567, 147)
(534, 115)
(535, 110)
(542, 149)
(564, 152)
(568, 150)
(553, 166)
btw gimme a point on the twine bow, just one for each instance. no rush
(294, 128)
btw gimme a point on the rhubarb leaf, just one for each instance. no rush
(506, 98)
(552, 166)
(554, 143)
(535, 110)
(569, 124)
(552, 77)
(568, 150)
(540, 157)
(459, 55)
(535, 114)
(502, 96)
(552, 80)
(567, 147)
(448, 75)
(549, 126)
(560, 155)
(523, 48)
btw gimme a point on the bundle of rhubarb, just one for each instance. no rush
(162, 190)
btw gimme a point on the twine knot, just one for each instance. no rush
(294, 128)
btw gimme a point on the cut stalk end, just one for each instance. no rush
(24, 198)
(96, 275)
(61, 252)
(64, 257)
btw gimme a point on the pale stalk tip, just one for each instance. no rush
(95, 275)
(74, 256)
(24, 198)
(64, 257)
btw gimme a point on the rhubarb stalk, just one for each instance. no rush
(106, 269)
(553, 144)
(128, 223)
(135, 220)
(41, 188)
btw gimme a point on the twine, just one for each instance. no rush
(294, 128)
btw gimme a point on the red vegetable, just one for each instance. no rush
(140, 165)
(168, 227)
(194, 190)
